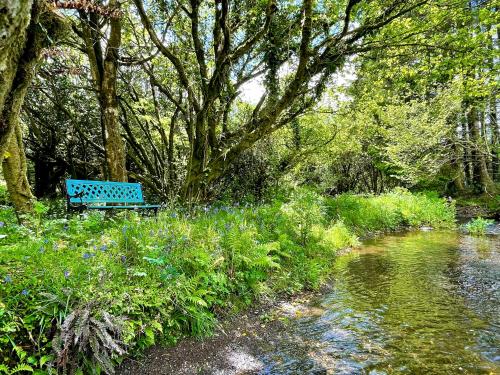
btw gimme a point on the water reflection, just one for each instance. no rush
(419, 303)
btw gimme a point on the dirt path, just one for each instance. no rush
(234, 349)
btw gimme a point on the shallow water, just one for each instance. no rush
(417, 303)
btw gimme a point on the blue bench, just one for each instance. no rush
(95, 195)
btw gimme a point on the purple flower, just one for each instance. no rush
(104, 247)
(66, 274)
(25, 292)
(88, 255)
(123, 258)
(7, 279)
(2, 224)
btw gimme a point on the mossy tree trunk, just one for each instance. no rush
(15, 172)
(104, 68)
(14, 21)
(27, 27)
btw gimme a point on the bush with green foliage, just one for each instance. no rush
(478, 226)
(78, 294)
(391, 211)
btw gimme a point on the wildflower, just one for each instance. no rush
(7, 279)
(88, 255)
(104, 247)
(45, 240)
(2, 224)
(25, 292)
(123, 258)
(66, 274)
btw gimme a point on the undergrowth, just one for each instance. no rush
(78, 294)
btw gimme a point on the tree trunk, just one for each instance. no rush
(115, 148)
(495, 139)
(15, 172)
(25, 50)
(14, 20)
(481, 177)
(467, 153)
(104, 68)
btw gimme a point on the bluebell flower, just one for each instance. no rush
(66, 274)
(2, 224)
(88, 255)
(123, 258)
(95, 247)
(104, 247)
(7, 279)
(45, 240)
(25, 292)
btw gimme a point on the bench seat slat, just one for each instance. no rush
(123, 207)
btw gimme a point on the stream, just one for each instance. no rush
(420, 302)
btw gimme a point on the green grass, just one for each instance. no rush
(79, 293)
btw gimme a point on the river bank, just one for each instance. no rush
(356, 325)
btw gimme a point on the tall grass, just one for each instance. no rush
(79, 293)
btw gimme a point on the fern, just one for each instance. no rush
(21, 367)
(83, 334)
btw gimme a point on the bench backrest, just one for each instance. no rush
(103, 192)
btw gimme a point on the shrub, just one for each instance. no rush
(478, 226)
